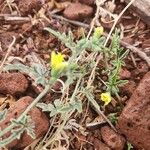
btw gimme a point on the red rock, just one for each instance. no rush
(77, 11)
(88, 2)
(134, 122)
(39, 119)
(114, 140)
(13, 83)
(28, 6)
(124, 74)
(99, 145)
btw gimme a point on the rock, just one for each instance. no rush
(28, 6)
(124, 74)
(134, 122)
(114, 140)
(39, 119)
(77, 11)
(13, 83)
(88, 2)
(98, 145)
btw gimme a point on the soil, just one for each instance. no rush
(25, 20)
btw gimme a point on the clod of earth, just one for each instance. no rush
(77, 11)
(134, 122)
(39, 119)
(28, 6)
(13, 83)
(114, 140)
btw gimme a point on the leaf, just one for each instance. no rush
(129, 146)
(45, 107)
(3, 115)
(37, 72)
(17, 132)
(77, 105)
(31, 132)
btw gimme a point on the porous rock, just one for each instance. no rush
(134, 122)
(114, 140)
(78, 11)
(28, 6)
(13, 83)
(39, 119)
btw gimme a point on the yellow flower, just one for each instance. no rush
(98, 32)
(57, 61)
(106, 98)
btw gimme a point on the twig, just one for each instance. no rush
(70, 21)
(138, 51)
(98, 4)
(14, 19)
(7, 54)
(116, 20)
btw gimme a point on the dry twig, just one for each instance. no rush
(7, 54)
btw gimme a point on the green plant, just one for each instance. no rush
(75, 69)
(113, 117)
(129, 145)
(25, 124)
(116, 59)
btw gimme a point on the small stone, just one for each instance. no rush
(77, 11)
(124, 74)
(114, 140)
(28, 6)
(13, 83)
(99, 145)
(134, 122)
(39, 119)
(88, 2)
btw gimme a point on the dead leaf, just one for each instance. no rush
(62, 5)
(8, 100)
